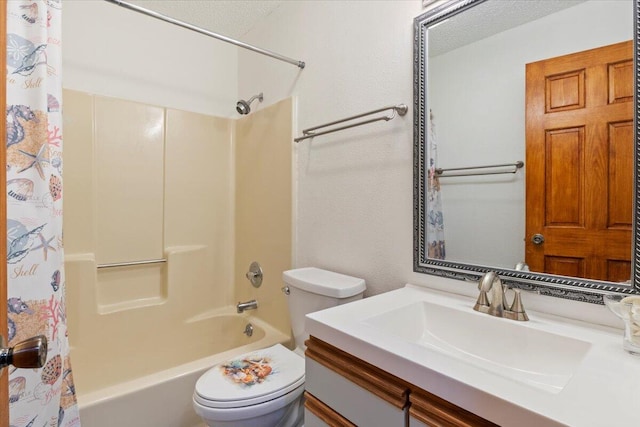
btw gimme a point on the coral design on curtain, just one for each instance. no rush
(435, 220)
(35, 258)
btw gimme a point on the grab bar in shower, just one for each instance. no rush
(129, 263)
(400, 109)
(443, 173)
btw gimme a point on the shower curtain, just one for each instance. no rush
(435, 220)
(36, 285)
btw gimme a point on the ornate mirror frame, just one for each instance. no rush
(577, 289)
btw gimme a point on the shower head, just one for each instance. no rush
(243, 107)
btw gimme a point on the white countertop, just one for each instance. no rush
(603, 391)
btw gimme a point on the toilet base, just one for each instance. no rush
(267, 414)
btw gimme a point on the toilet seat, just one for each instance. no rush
(251, 379)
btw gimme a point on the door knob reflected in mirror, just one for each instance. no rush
(537, 239)
(30, 353)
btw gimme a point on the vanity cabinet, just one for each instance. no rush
(343, 390)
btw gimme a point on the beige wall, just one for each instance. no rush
(199, 197)
(144, 182)
(264, 207)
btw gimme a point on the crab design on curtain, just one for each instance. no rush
(35, 256)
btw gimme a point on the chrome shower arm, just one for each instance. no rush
(259, 96)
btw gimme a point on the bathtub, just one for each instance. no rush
(156, 391)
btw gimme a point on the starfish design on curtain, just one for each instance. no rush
(37, 161)
(45, 245)
(38, 397)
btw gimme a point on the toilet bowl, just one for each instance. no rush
(261, 388)
(265, 387)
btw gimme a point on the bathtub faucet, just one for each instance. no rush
(249, 305)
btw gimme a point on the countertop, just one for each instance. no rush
(603, 390)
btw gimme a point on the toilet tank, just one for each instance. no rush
(312, 289)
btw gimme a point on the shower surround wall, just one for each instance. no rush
(263, 207)
(125, 55)
(143, 186)
(146, 183)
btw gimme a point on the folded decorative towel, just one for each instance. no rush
(631, 310)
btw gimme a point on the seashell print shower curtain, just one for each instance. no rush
(435, 219)
(36, 285)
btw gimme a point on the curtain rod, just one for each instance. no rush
(130, 6)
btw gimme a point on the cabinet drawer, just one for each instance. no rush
(358, 391)
(431, 411)
(317, 414)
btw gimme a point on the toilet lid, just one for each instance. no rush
(251, 378)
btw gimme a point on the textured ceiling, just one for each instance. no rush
(231, 18)
(234, 18)
(489, 18)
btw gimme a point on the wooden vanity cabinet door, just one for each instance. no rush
(429, 410)
(360, 393)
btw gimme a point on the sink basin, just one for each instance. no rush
(511, 349)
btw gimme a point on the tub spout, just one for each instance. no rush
(248, 305)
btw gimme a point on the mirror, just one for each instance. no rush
(475, 106)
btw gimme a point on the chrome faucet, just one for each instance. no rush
(248, 305)
(492, 299)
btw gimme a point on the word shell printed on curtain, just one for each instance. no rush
(36, 285)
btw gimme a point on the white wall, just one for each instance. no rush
(486, 81)
(112, 51)
(354, 208)
(354, 199)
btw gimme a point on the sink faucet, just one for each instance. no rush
(248, 305)
(492, 299)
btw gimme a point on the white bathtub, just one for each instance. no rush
(131, 396)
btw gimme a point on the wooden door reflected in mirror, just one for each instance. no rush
(579, 169)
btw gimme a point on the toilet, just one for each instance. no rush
(265, 387)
